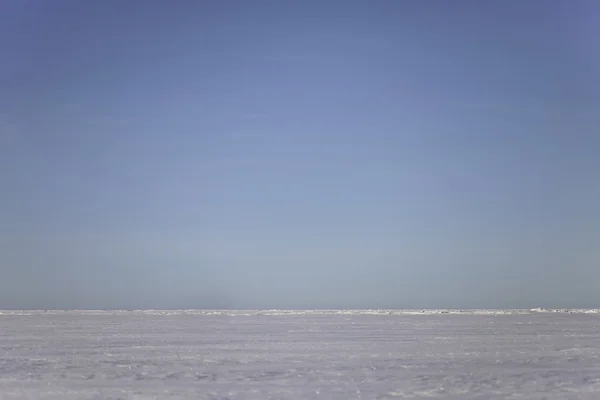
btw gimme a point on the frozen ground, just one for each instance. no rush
(479, 354)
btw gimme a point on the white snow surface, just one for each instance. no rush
(311, 354)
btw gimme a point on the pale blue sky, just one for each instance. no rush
(299, 154)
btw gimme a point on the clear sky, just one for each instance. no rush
(299, 154)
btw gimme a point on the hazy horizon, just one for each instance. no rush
(327, 311)
(339, 154)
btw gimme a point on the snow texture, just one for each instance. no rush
(329, 354)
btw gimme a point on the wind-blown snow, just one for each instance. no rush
(275, 354)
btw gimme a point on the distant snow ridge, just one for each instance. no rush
(275, 312)
(565, 310)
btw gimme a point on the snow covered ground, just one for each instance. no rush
(371, 354)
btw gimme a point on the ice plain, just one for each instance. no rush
(311, 354)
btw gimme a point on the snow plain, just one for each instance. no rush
(369, 354)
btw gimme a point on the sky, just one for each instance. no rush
(299, 154)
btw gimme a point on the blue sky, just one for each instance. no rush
(299, 154)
